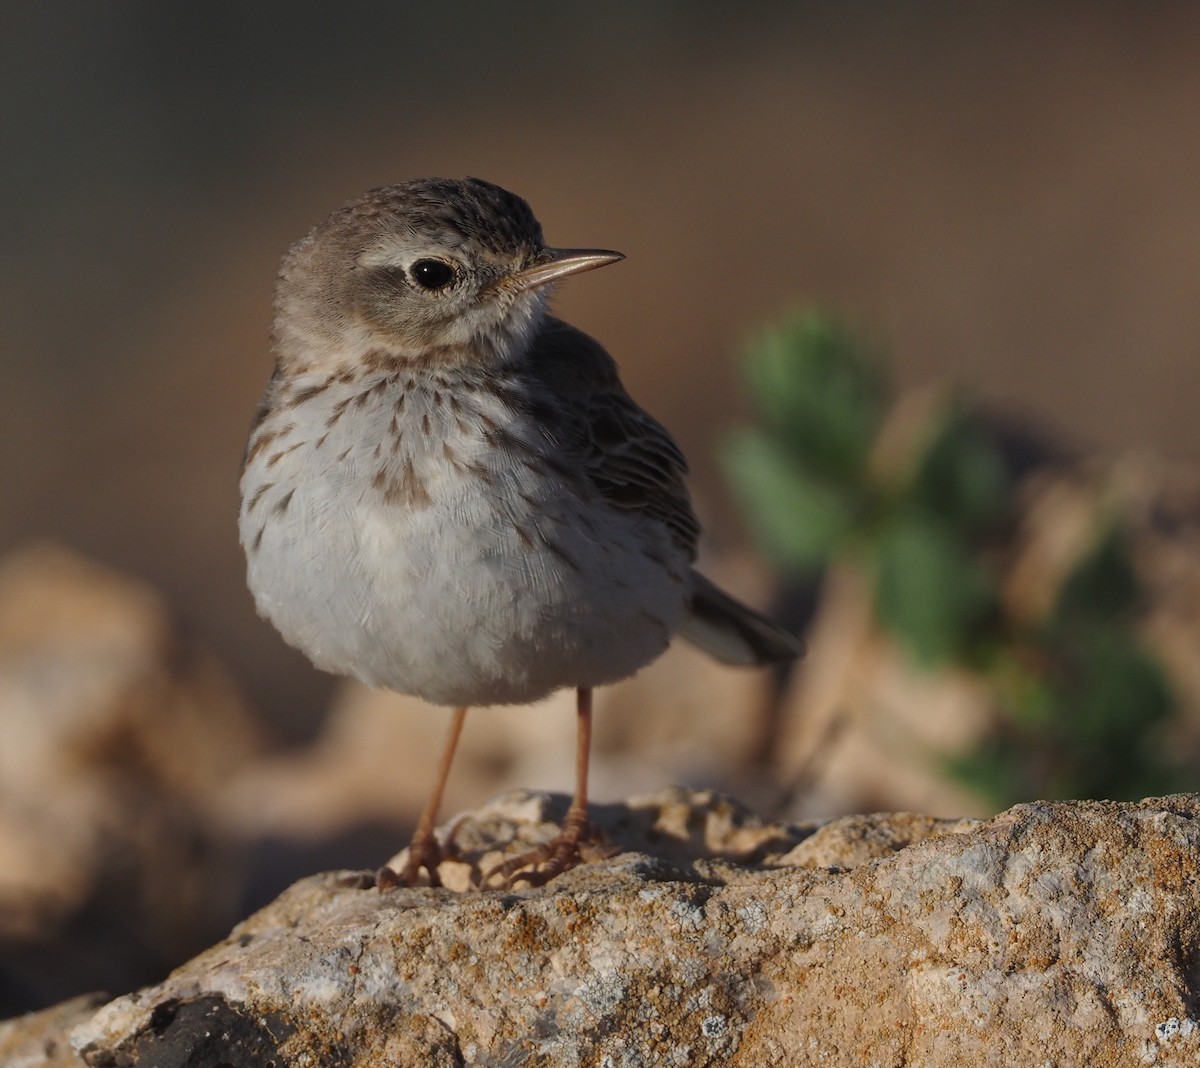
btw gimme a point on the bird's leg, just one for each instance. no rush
(423, 850)
(563, 851)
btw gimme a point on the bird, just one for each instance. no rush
(447, 491)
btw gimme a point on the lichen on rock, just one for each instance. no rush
(1064, 933)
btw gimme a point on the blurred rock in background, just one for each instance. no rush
(119, 738)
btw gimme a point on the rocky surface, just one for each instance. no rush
(1065, 934)
(41, 1039)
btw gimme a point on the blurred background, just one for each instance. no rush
(995, 205)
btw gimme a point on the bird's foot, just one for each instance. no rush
(423, 852)
(576, 843)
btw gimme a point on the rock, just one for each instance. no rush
(1065, 934)
(119, 734)
(40, 1038)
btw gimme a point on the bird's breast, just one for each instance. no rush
(426, 536)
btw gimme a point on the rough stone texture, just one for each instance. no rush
(39, 1039)
(1064, 934)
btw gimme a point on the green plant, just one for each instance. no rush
(1078, 699)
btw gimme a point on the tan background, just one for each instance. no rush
(1007, 196)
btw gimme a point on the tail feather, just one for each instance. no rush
(731, 632)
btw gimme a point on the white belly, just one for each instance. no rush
(461, 593)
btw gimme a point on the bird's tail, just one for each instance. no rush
(731, 632)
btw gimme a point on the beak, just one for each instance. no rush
(556, 263)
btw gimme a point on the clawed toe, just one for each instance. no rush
(536, 867)
(422, 853)
(543, 864)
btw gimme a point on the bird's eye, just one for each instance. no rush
(432, 274)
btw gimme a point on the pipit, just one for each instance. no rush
(448, 493)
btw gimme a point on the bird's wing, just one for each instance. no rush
(628, 455)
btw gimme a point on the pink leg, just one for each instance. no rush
(423, 850)
(562, 852)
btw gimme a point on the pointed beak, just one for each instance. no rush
(556, 263)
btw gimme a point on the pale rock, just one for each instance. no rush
(39, 1039)
(1064, 934)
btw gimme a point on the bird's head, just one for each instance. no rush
(432, 272)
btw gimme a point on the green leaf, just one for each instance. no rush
(1119, 692)
(1087, 724)
(797, 518)
(993, 769)
(929, 591)
(1021, 690)
(961, 475)
(1103, 585)
(818, 391)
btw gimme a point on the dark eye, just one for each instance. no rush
(432, 274)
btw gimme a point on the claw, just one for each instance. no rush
(423, 852)
(552, 858)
